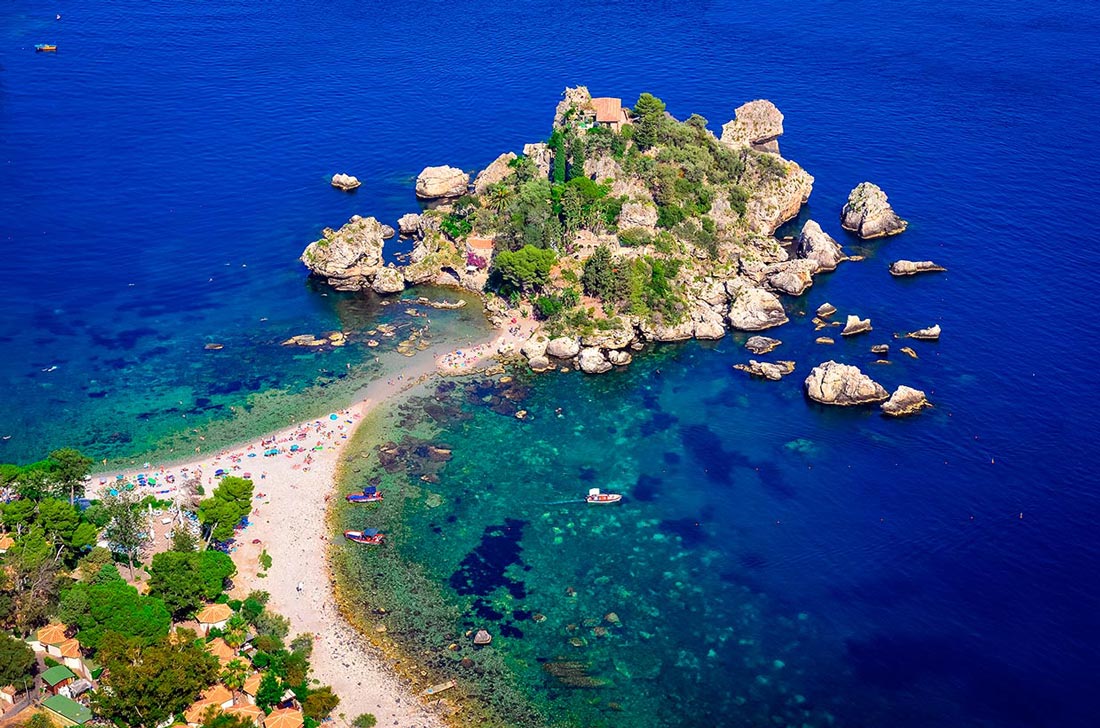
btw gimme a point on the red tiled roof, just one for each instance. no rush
(52, 634)
(608, 109)
(215, 613)
(480, 243)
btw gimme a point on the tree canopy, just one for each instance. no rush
(16, 660)
(223, 510)
(527, 267)
(97, 609)
(184, 580)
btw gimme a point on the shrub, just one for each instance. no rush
(635, 237)
(366, 720)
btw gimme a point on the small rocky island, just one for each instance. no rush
(626, 226)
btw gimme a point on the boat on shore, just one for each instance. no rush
(369, 495)
(596, 498)
(369, 537)
(44, 47)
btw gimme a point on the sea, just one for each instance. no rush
(774, 562)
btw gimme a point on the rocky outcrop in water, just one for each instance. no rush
(757, 124)
(817, 245)
(592, 361)
(931, 333)
(754, 309)
(761, 344)
(826, 310)
(563, 347)
(868, 214)
(912, 267)
(347, 258)
(436, 183)
(767, 370)
(905, 401)
(494, 173)
(792, 277)
(409, 224)
(842, 385)
(388, 280)
(345, 182)
(855, 325)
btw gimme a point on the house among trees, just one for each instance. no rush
(252, 686)
(217, 697)
(57, 678)
(7, 698)
(284, 718)
(219, 649)
(6, 542)
(606, 112)
(49, 639)
(479, 252)
(66, 711)
(214, 616)
(247, 711)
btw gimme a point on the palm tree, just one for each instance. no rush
(498, 196)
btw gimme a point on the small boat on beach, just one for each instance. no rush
(369, 495)
(370, 537)
(44, 48)
(595, 497)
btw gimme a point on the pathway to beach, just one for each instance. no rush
(292, 493)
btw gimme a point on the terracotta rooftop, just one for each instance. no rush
(197, 711)
(52, 634)
(217, 694)
(70, 648)
(480, 243)
(252, 684)
(284, 718)
(219, 649)
(608, 109)
(215, 613)
(249, 712)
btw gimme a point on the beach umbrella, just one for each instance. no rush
(333, 417)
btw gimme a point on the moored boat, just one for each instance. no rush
(595, 497)
(370, 537)
(369, 495)
(44, 47)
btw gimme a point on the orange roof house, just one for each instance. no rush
(53, 635)
(6, 542)
(252, 713)
(219, 694)
(252, 684)
(214, 614)
(70, 648)
(284, 718)
(219, 649)
(610, 112)
(195, 714)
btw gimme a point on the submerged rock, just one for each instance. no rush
(905, 401)
(755, 309)
(619, 358)
(440, 182)
(767, 370)
(868, 213)
(855, 325)
(932, 333)
(761, 344)
(912, 267)
(817, 245)
(592, 361)
(482, 638)
(842, 385)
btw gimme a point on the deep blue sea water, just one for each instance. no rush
(948, 562)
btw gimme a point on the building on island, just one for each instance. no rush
(609, 113)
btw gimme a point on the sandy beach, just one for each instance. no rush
(292, 492)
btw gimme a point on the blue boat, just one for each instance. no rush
(369, 495)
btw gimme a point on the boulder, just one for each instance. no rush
(792, 277)
(868, 214)
(880, 349)
(855, 325)
(388, 232)
(638, 215)
(755, 309)
(494, 173)
(441, 182)
(843, 385)
(815, 244)
(592, 361)
(708, 323)
(345, 182)
(620, 358)
(908, 351)
(767, 370)
(656, 331)
(563, 347)
(349, 257)
(541, 155)
(757, 124)
(535, 347)
(538, 363)
(761, 344)
(409, 224)
(905, 401)
(826, 310)
(932, 333)
(388, 280)
(912, 267)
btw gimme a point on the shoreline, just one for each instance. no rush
(291, 521)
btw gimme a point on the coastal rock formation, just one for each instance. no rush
(563, 347)
(347, 258)
(843, 385)
(495, 172)
(855, 325)
(780, 188)
(826, 310)
(761, 344)
(388, 280)
(880, 349)
(619, 358)
(638, 215)
(757, 124)
(912, 267)
(905, 401)
(441, 182)
(755, 309)
(868, 214)
(592, 361)
(792, 277)
(932, 333)
(657, 331)
(707, 323)
(409, 224)
(815, 244)
(767, 370)
(535, 347)
(541, 155)
(614, 338)
(345, 182)
(538, 363)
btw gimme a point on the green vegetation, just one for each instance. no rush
(16, 660)
(184, 580)
(230, 502)
(109, 605)
(525, 269)
(366, 720)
